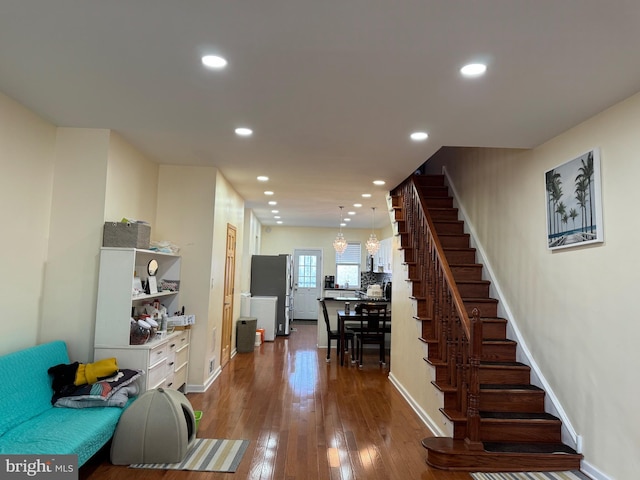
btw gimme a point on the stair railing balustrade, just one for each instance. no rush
(459, 337)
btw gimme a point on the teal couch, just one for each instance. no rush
(30, 425)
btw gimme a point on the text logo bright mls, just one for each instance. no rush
(49, 467)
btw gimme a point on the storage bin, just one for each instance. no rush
(126, 235)
(246, 334)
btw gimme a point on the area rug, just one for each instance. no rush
(572, 475)
(207, 455)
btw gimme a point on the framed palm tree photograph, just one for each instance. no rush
(574, 202)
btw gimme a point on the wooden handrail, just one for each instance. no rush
(459, 338)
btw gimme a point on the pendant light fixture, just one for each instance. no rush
(340, 244)
(373, 244)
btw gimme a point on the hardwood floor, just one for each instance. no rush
(305, 418)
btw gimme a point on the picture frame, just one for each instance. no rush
(574, 202)
(153, 285)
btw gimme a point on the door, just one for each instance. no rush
(306, 283)
(229, 284)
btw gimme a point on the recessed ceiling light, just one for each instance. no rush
(378, 182)
(214, 61)
(347, 219)
(473, 70)
(272, 202)
(277, 216)
(244, 132)
(357, 205)
(279, 222)
(419, 136)
(351, 213)
(366, 195)
(275, 211)
(343, 224)
(268, 192)
(262, 178)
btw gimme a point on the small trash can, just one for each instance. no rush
(246, 334)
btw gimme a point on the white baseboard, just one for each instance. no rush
(424, 416)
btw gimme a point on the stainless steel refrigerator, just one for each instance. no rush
(271, 276)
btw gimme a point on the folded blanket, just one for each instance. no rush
(119, 398)
(102, 390)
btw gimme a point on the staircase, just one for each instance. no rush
(498, 417)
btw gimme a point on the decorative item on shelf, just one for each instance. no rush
(169, 285)
(373, 244)
(340, 244)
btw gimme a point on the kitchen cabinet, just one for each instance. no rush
(165, 357)
(384, 256)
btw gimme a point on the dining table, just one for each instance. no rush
(352, 317)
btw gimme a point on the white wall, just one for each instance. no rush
(132, 184)
(75, 237)
(184, 216)
(26, 162)
(574, 307)
(277, 240)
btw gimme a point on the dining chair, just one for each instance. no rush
(373, 326)
(334, 334)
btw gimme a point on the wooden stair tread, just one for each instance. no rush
(528, 416)
(530, 447)
(497, 386)
(454, 454)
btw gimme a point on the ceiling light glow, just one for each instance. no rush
(419, 136)
(262, 178)
(275, 211)
(366, 195)
(379, 182)
(473, 70)
(214, 61)
(244, 132)
(272, 202)
(268, 192)
(357, 205)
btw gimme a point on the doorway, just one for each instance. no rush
(229, 284)
(307, 269)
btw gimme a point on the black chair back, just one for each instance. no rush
(373, 320)
(326, 315)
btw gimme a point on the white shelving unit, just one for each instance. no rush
(165, 361)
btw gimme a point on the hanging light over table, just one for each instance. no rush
(372, 244)
(340, 244)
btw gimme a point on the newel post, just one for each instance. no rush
(473, 414)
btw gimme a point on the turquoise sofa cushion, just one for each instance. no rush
(25, 386)
(60, 431)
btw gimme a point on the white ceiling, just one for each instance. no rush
(332, 89)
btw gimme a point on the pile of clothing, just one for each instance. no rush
(97, 384)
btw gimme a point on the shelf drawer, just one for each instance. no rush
(182, 356)
(170, 383)
(158, 354)
(157, 374)
(180, 377)
(180, 341)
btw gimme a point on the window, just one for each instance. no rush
(348, 266)
(307, 269)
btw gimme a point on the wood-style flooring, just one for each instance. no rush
(305, 418)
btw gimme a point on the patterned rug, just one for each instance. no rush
(207, 455)
(573, 475)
